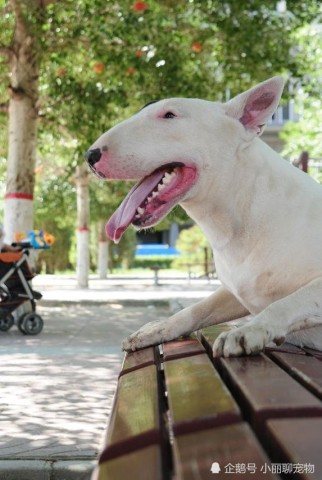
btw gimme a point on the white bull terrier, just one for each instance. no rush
(261, 215)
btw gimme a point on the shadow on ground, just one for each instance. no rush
(57, 388)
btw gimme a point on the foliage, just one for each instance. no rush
(193, 246)
(159, 261)
(55, 201)
(306, 134)
(57, 257)
(122, 254)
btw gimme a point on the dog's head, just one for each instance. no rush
(170, 145)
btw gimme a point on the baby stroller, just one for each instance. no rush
(17, 299)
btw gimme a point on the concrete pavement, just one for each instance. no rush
(57, 388)
(123, 288)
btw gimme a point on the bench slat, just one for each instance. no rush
(135, 418)
(315, 353)
(285, 348)
(306, 369)
(144, 464)
(139, 359)
(208, 335)
(197, 396)
(182, 348)
(229, 446)
(298, 441)
(266, 391)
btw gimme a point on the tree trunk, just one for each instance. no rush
(24, 71)
(102, 260)
(20, 169)
(82, 269)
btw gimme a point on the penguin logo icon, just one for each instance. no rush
(215, 468)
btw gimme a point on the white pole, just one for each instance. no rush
(82, 269)
(102, 258)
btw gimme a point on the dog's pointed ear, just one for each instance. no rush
(256, 106)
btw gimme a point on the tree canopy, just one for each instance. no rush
(103, 59)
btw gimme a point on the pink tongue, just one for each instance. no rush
(124, 215)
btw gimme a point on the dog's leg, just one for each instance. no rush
(219, 307)
(299, 310)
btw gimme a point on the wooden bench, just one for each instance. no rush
(179, 415)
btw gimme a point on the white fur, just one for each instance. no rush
(261, 215)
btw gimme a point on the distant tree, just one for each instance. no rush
(306, 134)
(194, 248)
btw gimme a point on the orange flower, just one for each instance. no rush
(98, 67)
(139, 6)
(131, 71)
(60, 72)
(196, 47)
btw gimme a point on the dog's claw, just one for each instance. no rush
(246, 340)
(218, 348)
(150, 334)
(135, 342)
(126, 345)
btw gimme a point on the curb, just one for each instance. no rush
(127, 302)
(47, 469)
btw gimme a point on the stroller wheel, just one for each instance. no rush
(6, 322)
(30, 324)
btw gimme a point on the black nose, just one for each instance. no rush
(93, 156)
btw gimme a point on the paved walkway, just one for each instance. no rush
(122, 288)
(57, 388)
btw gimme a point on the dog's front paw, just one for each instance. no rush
(150, 334)
(246, 340)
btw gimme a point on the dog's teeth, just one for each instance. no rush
(154, 194)
(161, 186)
(149, 198)
(140, 210)
(168, 177)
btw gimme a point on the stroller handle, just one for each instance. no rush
(24, 246)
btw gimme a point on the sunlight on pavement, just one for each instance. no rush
(57, 388)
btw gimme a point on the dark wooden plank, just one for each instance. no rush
(182, 348)
(315, 353)
(298, 442)
(139, 359)
(208, 335)
(144, 464)
(265, 391)
(234, 447)
(135, 418)
(285, 348)
(197, 396)
(306, 369)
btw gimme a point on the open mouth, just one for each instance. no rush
(152, 198)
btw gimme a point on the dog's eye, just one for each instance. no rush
(169, 115)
